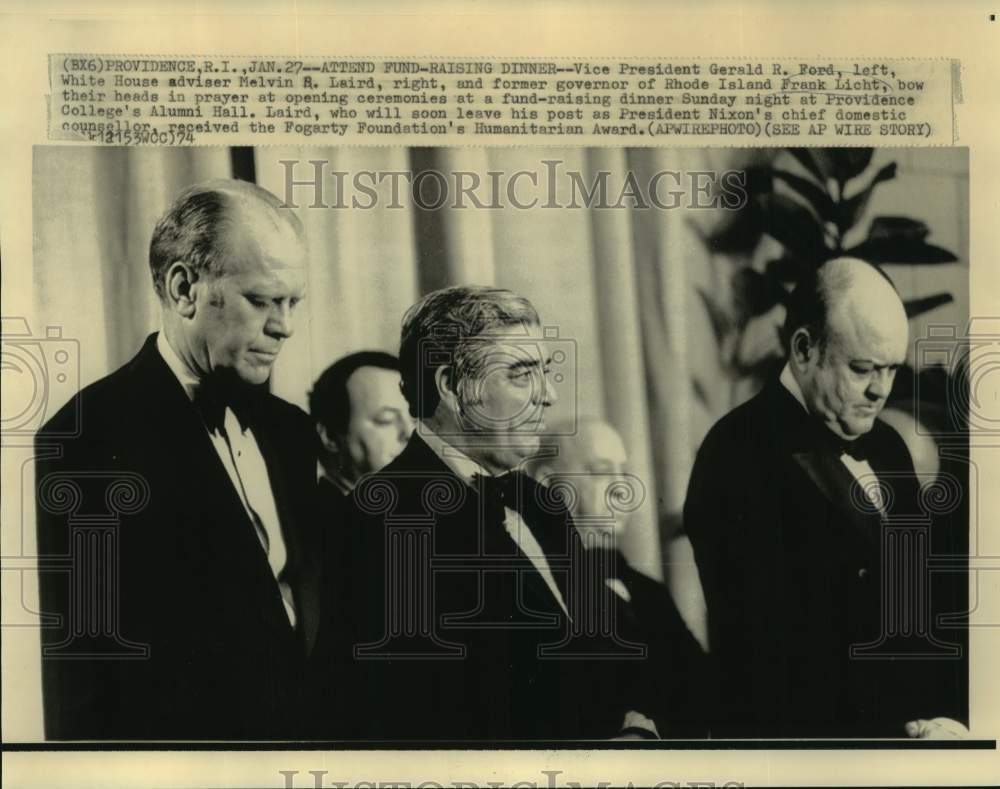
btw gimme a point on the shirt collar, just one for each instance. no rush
(338, 480)
(188, 381)
(788, 381)
(464, 467)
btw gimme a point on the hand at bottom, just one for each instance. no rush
(936, 729)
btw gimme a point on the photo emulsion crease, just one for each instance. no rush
(424, 446)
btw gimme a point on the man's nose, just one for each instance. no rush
(405, 425)
(280, 323)
(881, 384)
(548, 391)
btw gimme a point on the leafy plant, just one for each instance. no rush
(812, 214)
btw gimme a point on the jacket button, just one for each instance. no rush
(862, 572)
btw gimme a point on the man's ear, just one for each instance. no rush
(802, 348)
(179, 285)
(542, 472)
(444, 381)
(326, 439)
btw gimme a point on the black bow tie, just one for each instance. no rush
(214, 394)
(828, 442)
(857, 449)
(507, 489)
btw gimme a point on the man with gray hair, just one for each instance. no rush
(466, 576)
(791, 503)
(193, 619)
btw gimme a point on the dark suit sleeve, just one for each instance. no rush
(950, 538)
(950, 593)
(705, 515)
(673, 679)
(940, 685)
(344, 701)
(719, 520)
(703, 524)
(78, 692)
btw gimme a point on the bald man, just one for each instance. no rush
(588, 471)
(788, 530)
(585, 465)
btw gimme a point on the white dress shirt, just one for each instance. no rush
(466, 469)
(335, 478)
(241, 457)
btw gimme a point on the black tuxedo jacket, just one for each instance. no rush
(168, 620)
(332, 503)
(792, 559)
(675, 675)
(450, 631)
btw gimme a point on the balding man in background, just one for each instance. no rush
(362, 420)
(586, 468)
(194, 616)
(787, 529)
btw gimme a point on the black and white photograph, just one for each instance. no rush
(519, 447)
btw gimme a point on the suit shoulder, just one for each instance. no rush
(406, 484)
(288, 410)
(744, 428)
(290, 415)
(93, 407)
(890, 441)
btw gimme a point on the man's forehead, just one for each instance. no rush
(869, 318)
(258, 240)
(521, 341)
(259, 274)
(859, 337)
(368, 381)
(595, 441)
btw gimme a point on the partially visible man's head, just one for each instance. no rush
(361, 416)
(229, 267)
(587, 472)
(474, 365)
(846, 334)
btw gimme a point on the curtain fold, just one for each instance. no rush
(615, 283)
(609, 282)
(363, 265)
(94, 212)
(617, 296)
(621, 288)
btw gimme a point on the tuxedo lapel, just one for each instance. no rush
(178, 434)
(804, 439)
(477, 529)
(304, 565)
(837, 485)
(554, 530)
(180, 437)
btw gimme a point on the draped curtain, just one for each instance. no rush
(622, 289)
(614, 285)
(589, 272)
